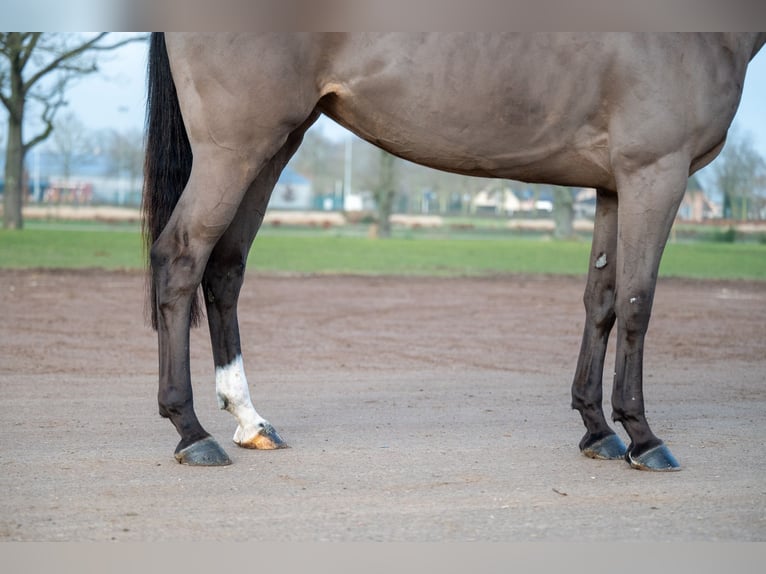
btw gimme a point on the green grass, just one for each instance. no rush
(417, 256)
(707, 260)
(41, 246)
(70, 248)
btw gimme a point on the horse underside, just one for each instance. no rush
(595, 111)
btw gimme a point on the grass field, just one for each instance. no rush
(101, 246)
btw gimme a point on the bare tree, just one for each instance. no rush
(563, 211)
(70, 141)
(321, 160)
(385, 192)
(35, 71)
(125, 150)
(738, 173)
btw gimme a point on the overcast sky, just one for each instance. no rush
(115, 97)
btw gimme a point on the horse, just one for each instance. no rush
(631, 115)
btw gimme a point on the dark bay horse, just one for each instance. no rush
(632, 115)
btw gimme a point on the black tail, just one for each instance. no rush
(167, 161)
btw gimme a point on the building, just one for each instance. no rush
(696, 206)
(292, 192)
(94, 180)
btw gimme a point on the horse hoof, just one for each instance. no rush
(610, 447)
(205, 452)
(265, 439)
(658, 458)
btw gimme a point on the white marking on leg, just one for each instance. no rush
(234, 396)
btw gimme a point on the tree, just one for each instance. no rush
(563, 212)
(35, 71)
(738, 174)
(385, 192)
(70, 142)
(125, 151)
(321, 160)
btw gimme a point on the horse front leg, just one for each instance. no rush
(648, 202)
(599, 441)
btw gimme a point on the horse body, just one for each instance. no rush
(631, 115)
(546, 103)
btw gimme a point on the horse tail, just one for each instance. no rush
(167, 160)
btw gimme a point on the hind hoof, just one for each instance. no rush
(205, 452)
(610, 447)
(658, 458)
(266, 438)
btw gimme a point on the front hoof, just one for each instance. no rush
(610, 447)
(658, 458)
(265, 439)
(205, 452)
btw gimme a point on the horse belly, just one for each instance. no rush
(465, 105)
(580, 158)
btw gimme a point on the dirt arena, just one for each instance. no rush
(417, 410)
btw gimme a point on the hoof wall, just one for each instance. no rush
(205, 452)
(608, 448)
(658, 458)
(266, 438)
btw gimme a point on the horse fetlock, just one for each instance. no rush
(170, 406)
(585, 404)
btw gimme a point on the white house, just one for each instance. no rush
(292, 191)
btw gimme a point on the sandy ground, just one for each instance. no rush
(417, 409)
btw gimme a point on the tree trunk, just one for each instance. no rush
(385, 193)
(727, 210)
(563, 212)
(14, 177)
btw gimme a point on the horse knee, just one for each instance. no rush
(599, 308)
(633, 313)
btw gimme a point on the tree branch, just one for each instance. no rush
(3, 98)
(56, 62)
(76, 69)
(91, 45)
(120, 44)
(42, 136)
(51, 106)
(29, 48)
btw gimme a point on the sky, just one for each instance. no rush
(115, 97)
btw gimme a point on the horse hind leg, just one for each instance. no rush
(221, 284)
(599, 441)
(207, 207)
